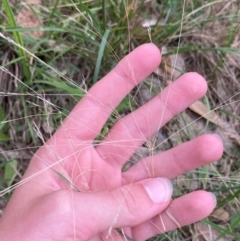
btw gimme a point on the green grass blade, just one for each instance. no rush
(100, 55)
(29, 29)
(50, 21)
(224, 231)
(104, 15)
(92, 18)
(17, 38)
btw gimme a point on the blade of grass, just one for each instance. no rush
(224, 231)
(93, 20)
(17, 38)
(50, 21)
(100, 55)
(104, 15)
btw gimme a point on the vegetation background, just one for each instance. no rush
(51, 50)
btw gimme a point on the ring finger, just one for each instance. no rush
(177, 160)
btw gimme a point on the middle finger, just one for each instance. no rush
(130, 132)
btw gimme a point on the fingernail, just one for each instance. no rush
(215, 199)
(159, 190)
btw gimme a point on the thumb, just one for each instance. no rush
(120, 207)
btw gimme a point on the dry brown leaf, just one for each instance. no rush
(202, 110)
(26, 18)
(221, 214)
(129, 8)
(174, 65)
(207, 233)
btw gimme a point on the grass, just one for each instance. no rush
(17, 38)
(83, 40)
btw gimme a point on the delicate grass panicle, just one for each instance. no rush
(52, 52)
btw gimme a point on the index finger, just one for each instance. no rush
(88, 117)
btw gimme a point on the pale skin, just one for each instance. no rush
(48, 208)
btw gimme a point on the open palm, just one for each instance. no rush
(77, 190)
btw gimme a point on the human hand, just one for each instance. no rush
(74, 189)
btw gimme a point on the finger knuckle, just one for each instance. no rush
(128, 203)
